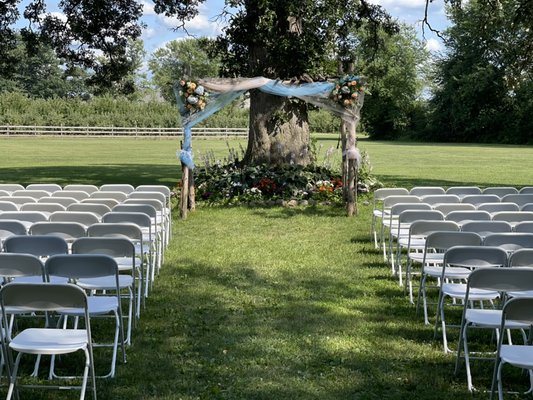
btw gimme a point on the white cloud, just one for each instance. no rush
(434, 45)
(399, 4)
(148, 8)
(148, 33)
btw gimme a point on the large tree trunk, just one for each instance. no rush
(279, 131)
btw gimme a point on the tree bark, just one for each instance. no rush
(279, 131)
(184, 199)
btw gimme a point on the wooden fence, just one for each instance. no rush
(113, 131)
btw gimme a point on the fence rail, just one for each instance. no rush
(112, 131)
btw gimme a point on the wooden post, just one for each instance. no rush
(192, 192)
(351, 155)
(184, 198)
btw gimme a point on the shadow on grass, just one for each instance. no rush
(310, 211)
(134, 174)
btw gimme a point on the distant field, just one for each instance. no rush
(140, 161)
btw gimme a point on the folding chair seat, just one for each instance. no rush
(48, 297)
(64, 201)
(462, 191)
(416, 245)
(79, 195)
(500, 191)
(513, 217)
(82, 188)
(144, 223)
(10, 187)
(47, 187)
(10, 228)
(83, 217)
(519, 199)
(520, 356)
(106, 201)
(509, 241)
(117, 187)
(98, 209)
(437, 243)
(493, 208)
(426, 190)
(8, 206)
(478, 199)
(393, 226)
(489, 280)
(123, 252)
(28, 218)
(80, 267)
(447, 208)
(46, 208)
(463, 260)
(134, 234)
(34, 194)
(119, 196)
(526, 190)
(435, 199)
(405, 238)
(484, 228)
(462, 217)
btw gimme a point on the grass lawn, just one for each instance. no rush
(275, 303)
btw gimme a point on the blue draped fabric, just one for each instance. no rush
(322, 89)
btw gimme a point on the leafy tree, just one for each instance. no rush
(286, 40)
(181, 58)
(8, 16)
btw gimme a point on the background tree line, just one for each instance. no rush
(479, 89)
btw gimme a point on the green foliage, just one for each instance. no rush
(178, 59)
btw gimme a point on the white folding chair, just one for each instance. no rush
(458, 263)
(47, 187)
(34, 194)
(106, 201)
(83, 217)
(117, 187)
(484, 228)
(447, 208)
(79, 195)
(461, 217)
(98, 209)
(377, 207)
(509, 241)
(70, 231)
(519, 199)
(82, 188)
(435, 199)
(482, 281)
(64, 201)
(28, 218)
(46, 208)
(513, 217)
(8, 206)
(462, 191)
(11, 187)
(10, 228)
(526, 190)
(478, 199)
(493, 208)
(47, 297)
(421, 191)
(79, 267)
(526, 227)
(500, 191)
(119, 196)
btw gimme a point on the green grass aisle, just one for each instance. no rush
(280, 304)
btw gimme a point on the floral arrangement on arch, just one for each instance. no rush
(192, 95)
(347, 91)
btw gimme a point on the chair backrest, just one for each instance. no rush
(426, 190)
(517, 309)
(513, 217)
(409, 216)
(500, 191)
(379, 194)
(47, 208)
(119, 196)
(117, 187)
(8, 206)
(4, 193)
(157, 204)
(526, 190)
(485, 228)
(521, 258)
(47, 187)
(149, 195)
(497, 207)
(43, 297)
(81, 266)
(98, 209)
(502, 279)
(82, 217)
(10, 227)
(141, 208)
(390, 201)
(35, 194)
(519, 199)
(111, 246)
(15, 265)
(64, 201)
(509, 241)
(465, 216)
(447, 208)
(475, 256)
(107, 201)
(79, 195)
(526, 227)
(82, 188)
(38, 245)
(117, 229)
(140, 219)
(166, 191)
(425, 227)
(18, 200)
(463, 190)
(24, 216)
(67, 230)
(11, 187)
(443, 240)
(477, 199)
(434, 199)
(527, 207)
